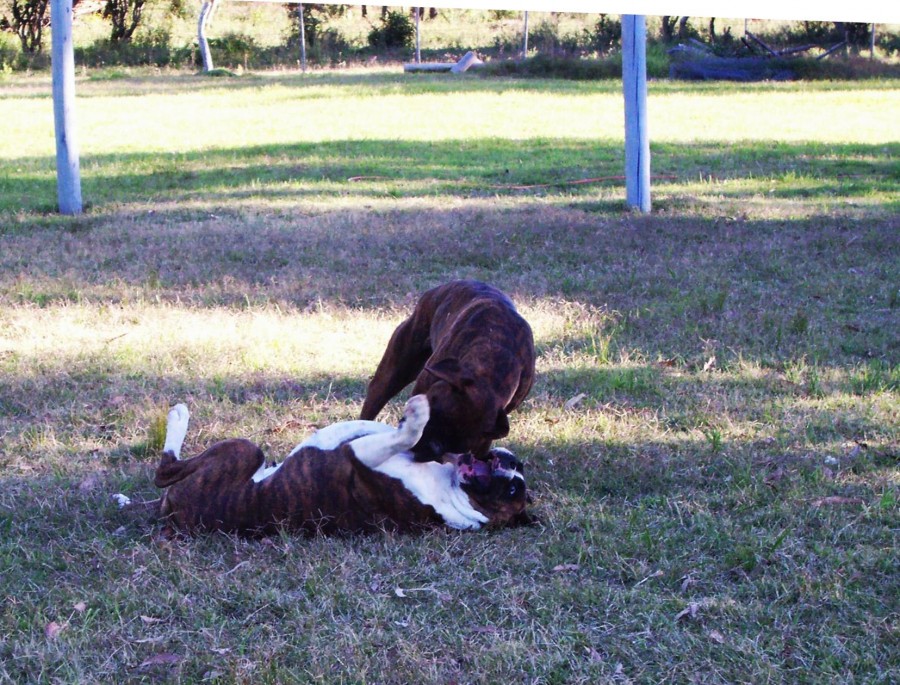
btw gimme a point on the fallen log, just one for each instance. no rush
(468, 61)
(731, 69)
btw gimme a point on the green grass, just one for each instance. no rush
(712, 439)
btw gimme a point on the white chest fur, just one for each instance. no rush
(435, 485)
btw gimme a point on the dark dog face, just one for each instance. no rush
(496, 486)
(464, 417)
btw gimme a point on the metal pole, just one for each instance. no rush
(302, 40)
(68, 173)
(872, 42)
(634, 85)
(525, 40)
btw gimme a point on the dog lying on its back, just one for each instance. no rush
(471, 353)
(355, 476)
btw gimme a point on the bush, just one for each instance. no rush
(577, 69)
(150, 49)
(232, 50)
(547, 66)
(888, 44)
(9, 53)
(396, 31)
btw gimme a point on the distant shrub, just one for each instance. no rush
(546, 66)
(888, 44)
(153, 48)
(232, 49)
(396, 31)
(9, 53)
(575, 68)
(858, 67)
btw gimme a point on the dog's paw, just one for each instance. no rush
(415, 415)
(179, 415)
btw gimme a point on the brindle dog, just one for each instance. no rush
(468, 349)
(356, 476)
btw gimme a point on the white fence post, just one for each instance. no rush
(68, 174)
(634, 85)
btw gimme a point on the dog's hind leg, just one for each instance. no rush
(373, 450)
(176, 429)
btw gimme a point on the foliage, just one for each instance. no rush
(232, 49)
(606, 36)
(500, 15)
(889, 44)
(575, 68)
(9, 52)
(125, 17)
(148, 48)
(396, 31)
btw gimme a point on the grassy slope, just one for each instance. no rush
(721, 504)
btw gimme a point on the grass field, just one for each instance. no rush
(712, 441)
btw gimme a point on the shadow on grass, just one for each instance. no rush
(368, 169)
(818, 288)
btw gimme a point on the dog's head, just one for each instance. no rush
(495, 486)
(464, 415)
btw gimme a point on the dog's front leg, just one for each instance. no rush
(373, 450)
(403, 360)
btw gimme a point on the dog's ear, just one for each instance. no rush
(450, 371)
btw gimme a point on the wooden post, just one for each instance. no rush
(205, 55)
(418, 51)
(302, 40)
(634, 85)
(68, 173)
(525, 39)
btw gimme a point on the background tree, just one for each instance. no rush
(667, 28)
(125, 16)
(315, 17)
(28, 21)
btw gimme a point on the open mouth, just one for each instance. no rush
(474, 471)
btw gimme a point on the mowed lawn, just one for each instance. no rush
(712, 441)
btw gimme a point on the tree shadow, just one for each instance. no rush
(487, 168)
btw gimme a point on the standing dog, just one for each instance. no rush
(471, 353)
(356, 476)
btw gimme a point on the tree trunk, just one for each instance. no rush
(668, 28)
